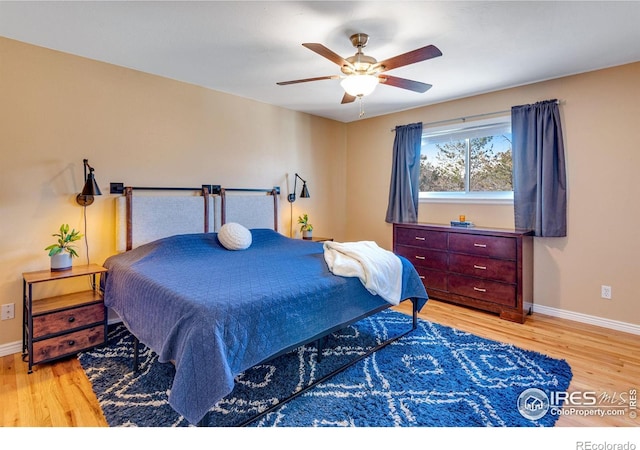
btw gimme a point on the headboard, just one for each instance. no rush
(150, 216)
(251, 208)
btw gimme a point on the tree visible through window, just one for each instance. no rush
(467, 160)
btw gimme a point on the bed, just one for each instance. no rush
(215, 312)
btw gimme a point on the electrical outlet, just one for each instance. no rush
(605, 292)
(8, 311)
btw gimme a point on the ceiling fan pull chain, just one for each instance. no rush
(361, 107)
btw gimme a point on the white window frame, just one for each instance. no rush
(495, 197)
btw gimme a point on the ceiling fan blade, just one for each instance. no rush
(347, 98)
(329, 54)
(403, 83)
(305, 80)
(420, 54)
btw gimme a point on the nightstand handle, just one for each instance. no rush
(479, 289)
(71, 319)
(480, 245)
(475, 266)
(71, 343)
(420, 257)
(418, 238)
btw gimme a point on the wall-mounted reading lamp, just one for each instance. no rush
(91, 188)
(304, 193)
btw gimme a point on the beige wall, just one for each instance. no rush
(601, 119)
(56, 109)
(142, 130)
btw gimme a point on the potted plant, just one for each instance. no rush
(306, 228)
(64, 250)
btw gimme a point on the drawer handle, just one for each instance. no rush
(422, 277)
(418, 238)
(71, 343)
(475, 266)
(479, 289)
(480, 245)
(71, 319)
(420, 257)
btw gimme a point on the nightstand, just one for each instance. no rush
(62, 325)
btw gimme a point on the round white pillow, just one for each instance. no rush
(234, 236)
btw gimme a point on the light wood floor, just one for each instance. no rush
(603, 361)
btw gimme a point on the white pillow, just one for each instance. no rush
(234, 236)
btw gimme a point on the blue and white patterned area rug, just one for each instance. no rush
(435, 376)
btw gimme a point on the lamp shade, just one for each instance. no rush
(90, 186)
(359, 85)
(304, 193)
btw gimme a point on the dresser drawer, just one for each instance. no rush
(431, 259)
(491, 291)
(477, 244)
(432, 279)
(67, 320)
(483, 267)
(67, 344)
(421, 238)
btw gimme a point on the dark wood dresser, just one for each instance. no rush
(487, 269)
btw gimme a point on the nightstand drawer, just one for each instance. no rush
(67, 320)
(67, 344)
(492, 246)
(491, 291)
(421, 238)
(479, 266)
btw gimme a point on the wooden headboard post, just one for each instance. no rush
(205, 196)
(128, 192)
(274, 192)
(223, 207)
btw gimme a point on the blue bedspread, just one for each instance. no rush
(216, 312)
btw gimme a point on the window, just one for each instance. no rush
(469, 162)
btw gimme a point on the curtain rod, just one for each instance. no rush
(465, 118)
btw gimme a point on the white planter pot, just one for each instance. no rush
(307, 234)
(61, 261)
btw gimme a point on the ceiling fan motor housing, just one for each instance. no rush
(359, 40)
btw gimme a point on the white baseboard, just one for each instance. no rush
(585, 318)
(10, 348)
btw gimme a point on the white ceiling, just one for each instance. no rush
(244, 48)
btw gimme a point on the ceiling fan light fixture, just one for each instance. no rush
(359, 85)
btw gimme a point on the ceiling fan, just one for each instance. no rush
(363, 73)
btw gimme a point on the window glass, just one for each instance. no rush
(467, 160)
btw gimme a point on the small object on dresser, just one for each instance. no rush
(465, 224)
(462, 218)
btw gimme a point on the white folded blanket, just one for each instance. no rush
(379, 270)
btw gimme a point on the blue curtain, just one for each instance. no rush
(539, 173)
(405, 174)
